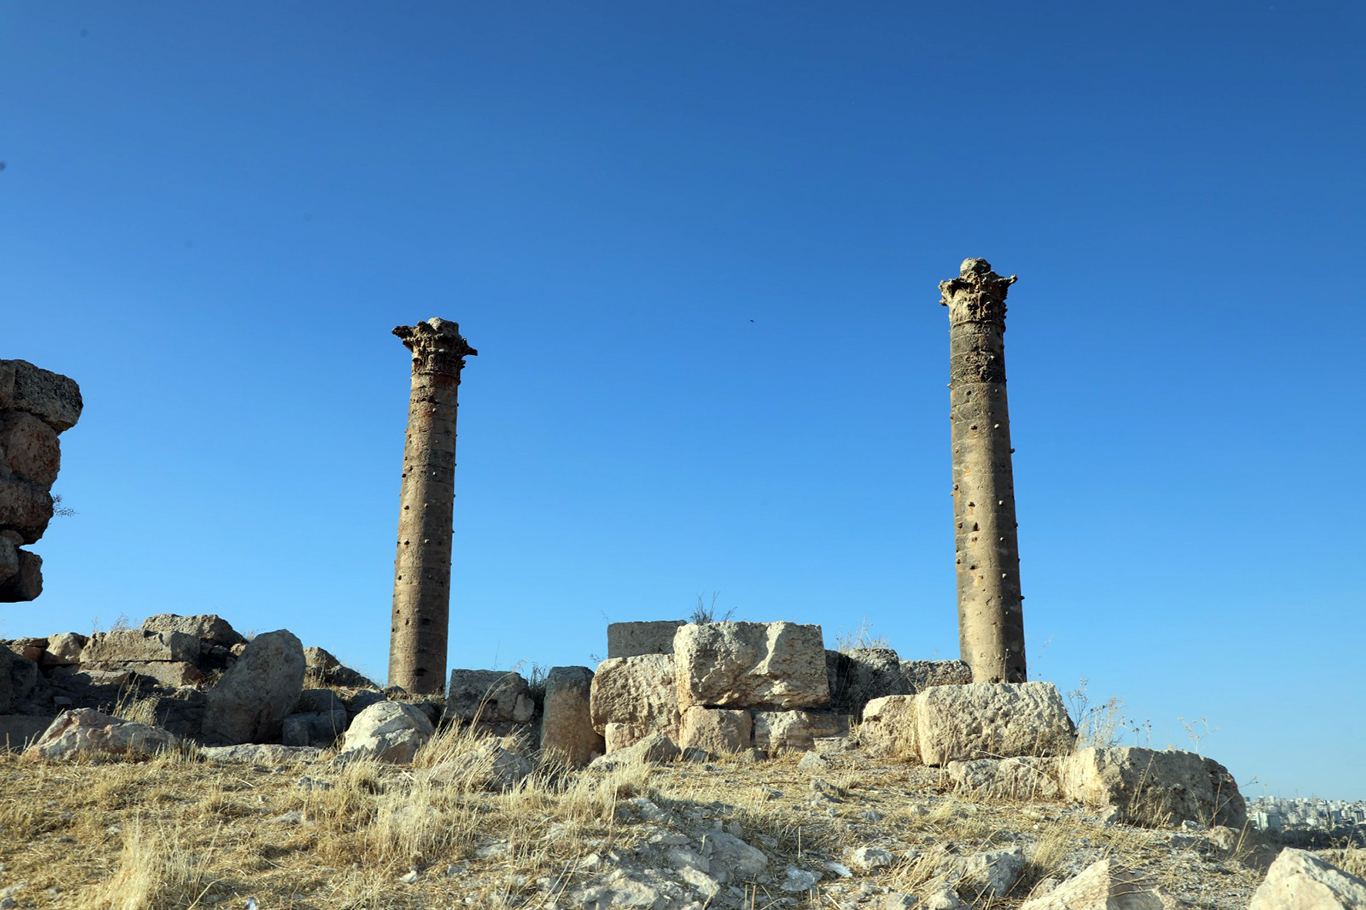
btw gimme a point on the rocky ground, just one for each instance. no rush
(832, 829)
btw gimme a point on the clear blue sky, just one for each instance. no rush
(697, 246)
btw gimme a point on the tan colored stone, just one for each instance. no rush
(991, 720)
(25, 508)
(636, 691)
(1154, 788)
(1104, 885)
(209, 628)
(249, 703)
(796, 731)
(622, 736)
(389, 731)
(1025, 778)
(134, 645)
(750, 664)
(63, 649)
(631, 639)
(566, 719)
(86, 732)
(888, 726)
(51, 397)
(1299, 880)
(715, 731)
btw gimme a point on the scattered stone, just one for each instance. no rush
(266, 754)
(730, 859)
(390, 731)
(656, 749)
(814, 763)
(489, 696)
(869, 859)
(632, 639)
(1154, 788)
(991, 720)
(250, 702)
(993, 872)
(566, 718)
(1104, 885)
(87, 732)
(750, 664)
(795, 879)
(1299, 880)
(488, 766)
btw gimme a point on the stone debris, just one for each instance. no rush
(1104, 885)
(390, 731)
(88, 733)
(991, 720)
(750, 665)
(1154, 788)
(1299, 880)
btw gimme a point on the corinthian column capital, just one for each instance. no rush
(437, 346)
(977, 295)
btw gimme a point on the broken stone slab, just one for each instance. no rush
(122, 646)
(635, 691)
(87, 732)
(332, 672)
(25, 508)
(208, 628)
(489, 696)
(859, 675)
(258, 754)
(250, 701)
(632, 639)
(29, 448)
(715, 731)
(28, 648)
(1299, 880)
(1025, 778)
(750, 665)
(567, 732)
(655, 749)
(171, 673)
(888, 727)
(1154, 789)
(17, 731)
(63, 649)
(318, 728)
(991, 720)
(1103, 885)
(991, 873)
(796, 731)
(922, 674)
(389, 731)
(53, 398)
(619, 736)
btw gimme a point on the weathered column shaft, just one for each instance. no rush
(990, 614)
(422, 569)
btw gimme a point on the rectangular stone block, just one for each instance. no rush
(122, 646)
(1154, 788)
(750, 665)
(635, 690)
(631, 639)
(796, 731)
(490, 696)
(889, 727)
(991, 720)
(921, 674)
(52, 397)
(166, 672)
(715, 731)
(24, 507)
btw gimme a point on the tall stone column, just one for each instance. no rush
(990, 616)
(422, 570)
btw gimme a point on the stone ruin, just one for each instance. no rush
(35, 407)
(667, 691)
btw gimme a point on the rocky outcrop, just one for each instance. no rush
(1299, 880)
(566, 718)
(750, 665)
(390, 732)
(88, 733)
(991, 720)
(35, 407)
(1154, 788)
(250, 702)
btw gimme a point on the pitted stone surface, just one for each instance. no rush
(1299, 880)
(566, 720)
(921, 674)
(491, 696)
(1154, 788)
(796, 731)
(250, 702)
(715, 731)
(991, 720)
(631, 639)
(124, 645)
(207, 627)
(636, 691)
(750, 664)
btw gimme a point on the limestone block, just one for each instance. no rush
(17, 731)
(9, 559)
(258, 754)
(796, 731)
(860, 675)
(166, 672)
(889, 726)
(29, 448)
(1299, 880)
(207, 627)
(26, 583)
(620, 736)
(490, 696)
(250, 701)
(51, 397)
(1026, 778)
(655, 749)
(7, 698)
(29, 648)
(318, 728)
(63, 649)
(24, 507)
(389, 731)
(333, 672)
(1154, 788)
(992, 873)
(1103, 885)
(750, 664)
(635, 690)
(715, 731)
(86, 732)
(921, 674)
(488, 766)
(128, 645)
(321, 701)
(567, 722)
(991, 720)
(632, 639)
